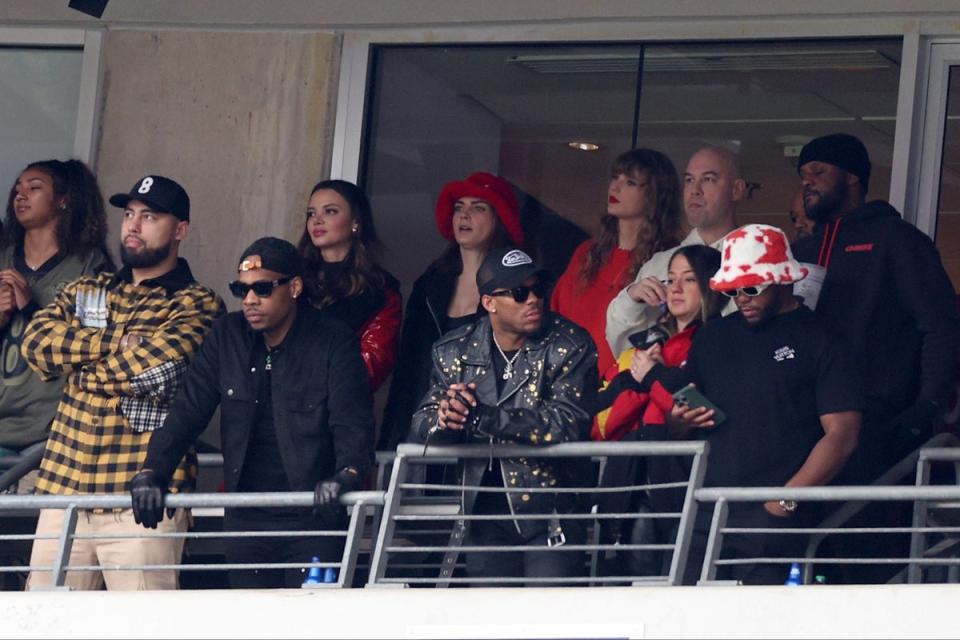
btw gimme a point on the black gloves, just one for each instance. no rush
(147, 489)
(326, 498)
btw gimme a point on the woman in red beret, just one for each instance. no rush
(476, 215)
(642, 218)
(342, 277)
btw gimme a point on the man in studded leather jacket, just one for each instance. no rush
(523, 376)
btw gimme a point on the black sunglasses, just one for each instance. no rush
(751, 292)
(262, 288)
(521, 293)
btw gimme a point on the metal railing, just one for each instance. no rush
(949, 538)
(361, 504)
(722, 496)
(440, 506)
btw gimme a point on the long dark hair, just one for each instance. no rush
(82, 221)
(705, 262)
(661, 231)
(361, 271)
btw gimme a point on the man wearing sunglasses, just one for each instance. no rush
(122, 341)
(295, 415)
(791, 405)
(518, 375)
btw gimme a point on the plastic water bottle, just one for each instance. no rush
(329, 575)
(314, 576)
(794, 579)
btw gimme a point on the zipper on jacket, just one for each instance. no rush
(433, 315)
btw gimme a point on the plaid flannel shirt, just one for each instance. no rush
(92, 448)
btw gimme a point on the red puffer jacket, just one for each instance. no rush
(379, 337)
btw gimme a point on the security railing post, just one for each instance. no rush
(714, 541)
(62, 559)
(681, 551)
(918, 539)
(391, 505)
(348, 563)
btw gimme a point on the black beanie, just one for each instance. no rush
(841, 150)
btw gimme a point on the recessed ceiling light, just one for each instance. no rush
(580, 145)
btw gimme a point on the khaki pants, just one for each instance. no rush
(107, 552)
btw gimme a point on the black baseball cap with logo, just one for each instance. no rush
(161, 194)
(505, 268)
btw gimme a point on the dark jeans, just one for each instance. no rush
(759, 545)
(275, 549)
(540, 561)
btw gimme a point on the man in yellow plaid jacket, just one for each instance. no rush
(122, 341)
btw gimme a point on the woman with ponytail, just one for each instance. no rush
(54, 232)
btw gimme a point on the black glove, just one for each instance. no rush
(326, 498)
(147, 489)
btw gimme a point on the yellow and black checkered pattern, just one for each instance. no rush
(91, 448)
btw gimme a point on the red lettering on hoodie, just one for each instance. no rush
(868, 246)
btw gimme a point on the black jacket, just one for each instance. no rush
(423, 324)
(887, 295)
(321, 401)
(546, 402)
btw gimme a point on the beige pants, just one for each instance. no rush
(107, 552)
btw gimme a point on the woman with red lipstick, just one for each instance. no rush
(55, 232)
(342, 277)
(476, 215)
(643, 217)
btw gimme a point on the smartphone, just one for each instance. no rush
(691, 397)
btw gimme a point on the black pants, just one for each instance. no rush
(540, 561)
(767, 545)
(275, 549)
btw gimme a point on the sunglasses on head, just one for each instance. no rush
(751, 292)
(521, 293)
(262, 288)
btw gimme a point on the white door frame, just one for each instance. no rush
(941, 54)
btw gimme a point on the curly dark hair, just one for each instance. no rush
(362, 272)
(663, 228)
(82, 223)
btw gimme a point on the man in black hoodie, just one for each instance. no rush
(886, 293)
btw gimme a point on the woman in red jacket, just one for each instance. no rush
(643, 217)
(690, 303)
(344, 280)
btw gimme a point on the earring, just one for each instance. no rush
(355, 228)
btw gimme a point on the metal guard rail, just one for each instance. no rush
(724, 495)
(361, 503)
(396, 511)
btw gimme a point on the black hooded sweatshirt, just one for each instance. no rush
(888, 296)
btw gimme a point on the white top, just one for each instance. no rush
(625, 316)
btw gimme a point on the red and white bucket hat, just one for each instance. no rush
(756, 254)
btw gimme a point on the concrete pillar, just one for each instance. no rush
(243, 120)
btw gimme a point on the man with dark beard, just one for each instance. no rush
(886, 294)
(791, 411)
(122, 341)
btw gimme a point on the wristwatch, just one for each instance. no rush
(788, 505)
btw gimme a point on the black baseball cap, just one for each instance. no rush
(161, 194)
(273, 254)
(505, 268)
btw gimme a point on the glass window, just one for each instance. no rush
(438, 113)
(39, 95)
(765, 100)
(948, 209)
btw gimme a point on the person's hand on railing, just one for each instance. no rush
(326, 497)
(147, 489)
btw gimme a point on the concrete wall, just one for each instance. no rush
(242, 119)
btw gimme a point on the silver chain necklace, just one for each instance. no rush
(508, 370)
